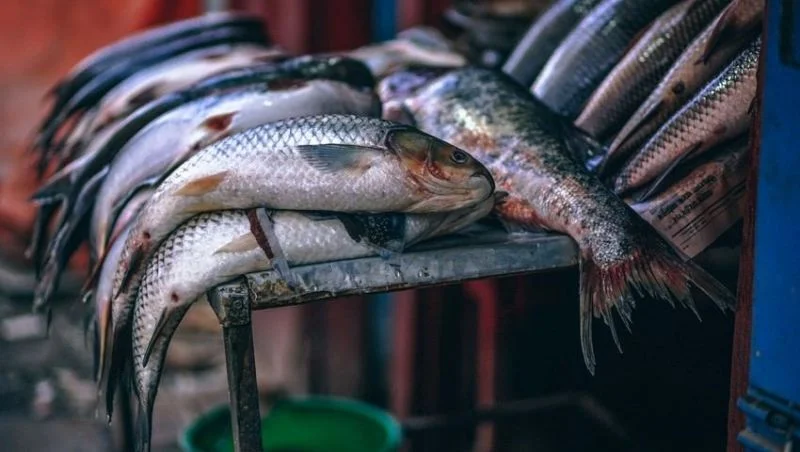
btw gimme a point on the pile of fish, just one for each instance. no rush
(190, 154)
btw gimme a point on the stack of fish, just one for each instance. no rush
(169, 147)
(193, 153)
(656, 89)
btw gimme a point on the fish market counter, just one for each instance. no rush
(475, 253)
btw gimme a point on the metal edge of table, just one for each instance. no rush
(475, 254)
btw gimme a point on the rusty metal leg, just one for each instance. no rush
(232, 306)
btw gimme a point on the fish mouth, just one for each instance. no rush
(484, 173)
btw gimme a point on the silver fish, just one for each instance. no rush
(213, 248)
(519, 140)
(332, 162)
(719, 112)
(175, 136)
(591, 50)
(700, 62)
(175, 74)
(543, 37)
(643, 66)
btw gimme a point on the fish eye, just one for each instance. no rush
(458, 156)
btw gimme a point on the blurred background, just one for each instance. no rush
(414, 353)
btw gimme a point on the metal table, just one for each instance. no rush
(478, 252)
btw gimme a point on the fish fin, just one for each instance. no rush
(385, 231)
(581, 145)
(36, 248)
(117, 369)
(262, 229)
(202, 185)
(161, 323)
(320, 216)
(57, 187)
(660, 182)
(241, 244)
(654, 269)
(331, 158)
(103, 335)
(219, 123)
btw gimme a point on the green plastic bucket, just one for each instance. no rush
(313, 424)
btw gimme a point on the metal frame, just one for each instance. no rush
(474, 254)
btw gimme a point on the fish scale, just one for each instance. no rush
(720, 111)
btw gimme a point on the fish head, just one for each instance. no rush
(403, 84)
(449, 175)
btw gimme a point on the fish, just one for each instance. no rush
(171, 139)
(519, 140)
(340, 163)
(591, 50)
(95, 89)
(389, 56)
(695, 67)
(132, 48)
(101, 284)
(213, 248)
(642, 67)
(400, 85)
(66, 186)
(104, 57)
(175, 74)
(721, 111)
(702, 199)
(543, 37)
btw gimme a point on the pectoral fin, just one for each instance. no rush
(333, 158)
(202, 185)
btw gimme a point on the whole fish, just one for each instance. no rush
(719, 112)
(94, 90)
(633, 78)
(213, 248)
(698, 64)
(174, 137)
(543, 37)
(341, 163)
(591, 50)
(519, 140)
(68, 184)
(175, 74)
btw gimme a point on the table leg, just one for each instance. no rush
(232, 306)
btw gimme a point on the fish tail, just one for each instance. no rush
(653, 269)
(57, 187)
(144, 421)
